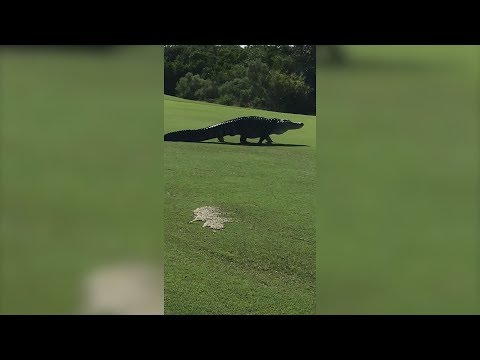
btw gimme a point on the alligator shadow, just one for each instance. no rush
(250, 144)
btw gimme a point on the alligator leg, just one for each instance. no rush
(267, 138)
(220, 138)
(243, 140)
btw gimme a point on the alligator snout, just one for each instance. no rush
(299, 125)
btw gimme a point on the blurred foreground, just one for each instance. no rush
(397, 167)
(81, 180)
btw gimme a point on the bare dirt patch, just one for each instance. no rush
(212, 216)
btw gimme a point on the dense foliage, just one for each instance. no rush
(271, 77)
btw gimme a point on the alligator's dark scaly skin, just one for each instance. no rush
(248, 127)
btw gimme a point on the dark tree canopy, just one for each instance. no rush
(270, 77)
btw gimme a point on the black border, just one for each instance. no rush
(325, 23)
(232, 38)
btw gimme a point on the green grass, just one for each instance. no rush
(81, 170)
(397, 187)
(264, 262)
(397, 225)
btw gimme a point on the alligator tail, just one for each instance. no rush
(190, 135)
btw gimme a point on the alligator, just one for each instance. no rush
(248, 127)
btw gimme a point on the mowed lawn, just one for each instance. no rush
(397, 226)
(264, 261)
(81, 170)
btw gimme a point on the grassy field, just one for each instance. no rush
(81, 170)
(397, 165)
(264, 262)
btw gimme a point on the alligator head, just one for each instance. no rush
(285, 125)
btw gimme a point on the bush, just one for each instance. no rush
(195, 88)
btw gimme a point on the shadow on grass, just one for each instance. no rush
(249, 144)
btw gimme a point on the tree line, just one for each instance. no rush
(271, 77)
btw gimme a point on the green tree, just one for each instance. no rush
(287, 93)
(274, 77)
(236, 92)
